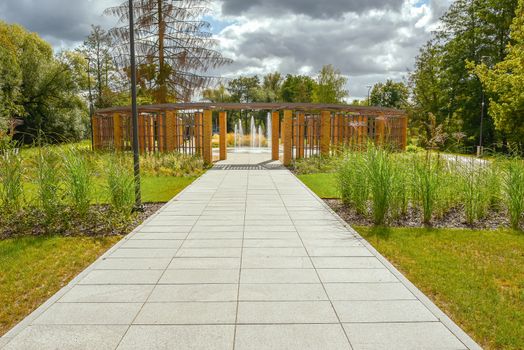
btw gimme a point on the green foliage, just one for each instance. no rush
(471, 31)
(330, 87)
(39, 88)
(298, 88)
(389, 94)
(505, 81)
(381, 173)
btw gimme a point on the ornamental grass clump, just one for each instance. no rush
(120, 185)
(78, 180)
(427, 173)
(48, 183)
(11, 187)
(381, 175)
(353, 181)
(513, 189)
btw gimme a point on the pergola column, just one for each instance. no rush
(275, 135)
(207, 148)
(222, 121)
(325, 132)
(287, 130)
(117, 131)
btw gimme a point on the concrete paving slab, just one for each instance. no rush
(249, 259)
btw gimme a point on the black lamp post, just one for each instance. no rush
(134, 110)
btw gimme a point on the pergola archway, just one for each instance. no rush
(304, 129)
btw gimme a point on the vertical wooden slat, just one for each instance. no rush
(151, 136)
(325, 132)
(141, 133)
(160, 131)
(364, 132)
(96, 132)
(287, 136)
(117, 131)
(404, 140)
(300, 142)
(207, 151)
(379, 129)
(222, 117)
(275, 135)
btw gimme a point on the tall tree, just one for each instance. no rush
(505, 83)
(298, 88)
(244, 89)
(97, 48)
(389, 94)
(174, 46)
(330, 86)
(471, 31)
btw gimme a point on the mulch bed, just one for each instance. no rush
(98, 222)
(454, 218)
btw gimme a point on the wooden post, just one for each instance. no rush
(364, 131)
(287, 136)
(325, 132)
(151, 136)
(141, 133)
(379, 129)
(222, 117)
(275, 135)
(207, 151)
(117, 131)
(404, 141)
(160, 131)
(96, 133)
(170, 131)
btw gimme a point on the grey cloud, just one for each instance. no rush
(312, 8)
(61, 22)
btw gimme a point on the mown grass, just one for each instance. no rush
(476, 277)
(325, 185)
(32, 269)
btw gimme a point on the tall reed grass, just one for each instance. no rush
(78, 180)
(48, 182)
(513, 186)
(11, 185)
(120, 185)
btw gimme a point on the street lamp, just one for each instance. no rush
(91, 107)
(134, 110)
(480, 148)
(369, 90)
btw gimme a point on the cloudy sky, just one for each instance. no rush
(368, 40)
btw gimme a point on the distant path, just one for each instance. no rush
(245, 258)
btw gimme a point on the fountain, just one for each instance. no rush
(259, 136)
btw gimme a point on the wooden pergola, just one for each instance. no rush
(305, 129)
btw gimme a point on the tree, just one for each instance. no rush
(39, 88)
(217, 95)
(96, 49)
(505, 83)
(471, 31)
(389, 94)
(330, 86)
(173, 45)
(244, 89)
(298, 88)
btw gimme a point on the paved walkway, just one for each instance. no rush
(245, 258)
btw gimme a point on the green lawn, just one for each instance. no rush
(155, 189)
(476, 277)
(32, 269)
(323, 184)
